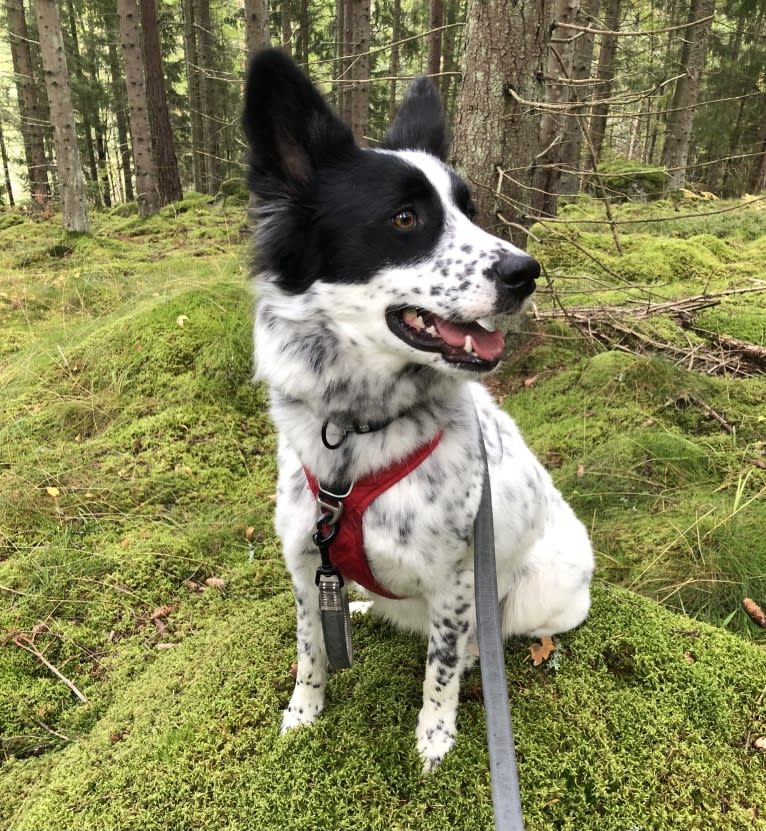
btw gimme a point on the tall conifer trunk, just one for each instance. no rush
(74, 204)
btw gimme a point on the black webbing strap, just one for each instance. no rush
(506, 799)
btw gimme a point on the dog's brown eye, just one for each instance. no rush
(404, 220)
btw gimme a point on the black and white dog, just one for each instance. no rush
(375, 295)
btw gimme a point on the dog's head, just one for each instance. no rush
(381, 239)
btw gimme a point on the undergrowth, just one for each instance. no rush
(137, 555)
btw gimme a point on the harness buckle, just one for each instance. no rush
(331, 503)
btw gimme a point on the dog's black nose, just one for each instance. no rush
(517, 272)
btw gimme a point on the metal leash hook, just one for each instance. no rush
(333, 594)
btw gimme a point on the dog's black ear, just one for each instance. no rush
(290, 128)
(419, 124)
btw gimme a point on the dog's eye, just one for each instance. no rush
(404, 220)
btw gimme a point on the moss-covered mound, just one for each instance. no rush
(139, 569)
(643, 720)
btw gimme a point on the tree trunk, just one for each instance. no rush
(360, 69)
(303, 39)
(163, 146)
(450, 66)
(256, 25)
(678, 132)
(71, 181)
(287, 27)
(435, 23)
(340, 56)
(195, 98)
(757, 179)
(607, 58)
(394, 66)
(120, 105)
(505, 49)
(6, 169)
(553, 122)
(349, 66)
(206, 50)
(574, 126)
(30, 108)
(140, 132)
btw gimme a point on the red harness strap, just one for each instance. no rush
(347, 551)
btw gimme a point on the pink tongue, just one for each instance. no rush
(487, 345)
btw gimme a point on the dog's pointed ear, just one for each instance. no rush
(419, 124)
(290, 128)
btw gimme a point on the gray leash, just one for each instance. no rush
(506, 799)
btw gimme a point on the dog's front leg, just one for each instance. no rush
(307, 700)
(450, 623)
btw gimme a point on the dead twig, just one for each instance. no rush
(26, 643)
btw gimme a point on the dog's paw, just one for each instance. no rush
(292, 719)
(434, 741)
(304, 708)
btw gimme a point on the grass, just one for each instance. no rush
(137, 557)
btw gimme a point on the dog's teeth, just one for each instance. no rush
(413, 319)
(468, 345)
(432, 331)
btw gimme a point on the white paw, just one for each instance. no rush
(359, 607)
(304, 708)
(291, 720)
(435, 738)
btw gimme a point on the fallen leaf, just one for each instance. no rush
(54, 492)
(215, 583)
(162, 611)
(530, 382)
(192, 585)
(249, 533)
(181, 320)
(759, 463)
(691, 658)
(542, 651)
(293, 671)
(580, 470)
(755, 612)
(760, 744)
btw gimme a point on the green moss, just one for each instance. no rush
(192, 740)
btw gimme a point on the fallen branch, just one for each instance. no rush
(26, 643)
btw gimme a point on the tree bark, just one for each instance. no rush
(30, 107)
(257, 25)
(146, 175)
(71, 181)
(205, 42)
(607, 58)
(678, 132)
(120, 105)
(571, 143)
(505, 50)
(163, 146)
(757, 179)
(553, 122)
(191, 54)
(435, 23)
(6, 169)
(395, 64)
(360, 69)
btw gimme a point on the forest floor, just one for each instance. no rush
(146, 621)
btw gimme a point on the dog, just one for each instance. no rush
(375, 301)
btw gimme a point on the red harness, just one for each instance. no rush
(348, 554)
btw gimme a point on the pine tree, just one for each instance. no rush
(71, 181)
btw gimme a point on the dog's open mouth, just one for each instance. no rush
(468, 344)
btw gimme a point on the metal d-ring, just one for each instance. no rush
(326, 442)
